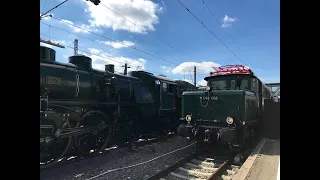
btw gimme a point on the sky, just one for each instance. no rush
(162, 37)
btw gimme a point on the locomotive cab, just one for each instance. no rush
(225, 111)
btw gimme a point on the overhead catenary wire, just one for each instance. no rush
(96, 41)
(132, 47)
(203, 5)
(143, 27)
(212, 33)
(71, 24)
(110, 39)
(107, 57)
(103, 57)
(53, 8)
(215, 17)
(150, 33)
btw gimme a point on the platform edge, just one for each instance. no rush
(247, 165)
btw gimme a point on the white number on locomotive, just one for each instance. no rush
(212, 98)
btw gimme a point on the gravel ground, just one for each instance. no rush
(266, 164)
(122, 157)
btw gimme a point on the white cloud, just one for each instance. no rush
(166, 68)
(101, 59)
(202, 67)
(94, 51)
(83, 27)
(143, 13)
(227, 21)
(119, 44)
(188, 80)
(75, 27)
(202, 82)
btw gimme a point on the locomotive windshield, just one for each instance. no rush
(228, 83)
(218, 85)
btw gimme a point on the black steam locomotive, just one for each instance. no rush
(93, 108)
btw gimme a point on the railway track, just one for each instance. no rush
(72, 158)
(199, 167)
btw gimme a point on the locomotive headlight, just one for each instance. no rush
(188, 118)
(229, 120)
(208, 88)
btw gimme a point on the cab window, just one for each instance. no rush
(218, 85)
(244, 84)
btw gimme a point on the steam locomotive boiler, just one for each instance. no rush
(93, 108)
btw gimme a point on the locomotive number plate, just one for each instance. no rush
(53, 80)
(212, 98)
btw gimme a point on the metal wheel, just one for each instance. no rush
(99, 138)
(52, 149)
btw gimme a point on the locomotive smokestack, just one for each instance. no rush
(47, 54)
(109, 67)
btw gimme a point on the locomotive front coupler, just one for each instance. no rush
(207, 135)
(186, 130)
(226, 135)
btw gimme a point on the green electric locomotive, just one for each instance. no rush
(228, 112)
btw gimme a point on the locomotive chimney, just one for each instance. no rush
(47, 54)
(109, 67)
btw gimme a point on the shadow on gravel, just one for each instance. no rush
(112, 159)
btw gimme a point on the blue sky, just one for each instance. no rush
(167, 31)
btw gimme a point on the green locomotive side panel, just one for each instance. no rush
(161, 90)
(251, 108)
(65, 82)
(145, 101)
(125, 86)
(169, 101)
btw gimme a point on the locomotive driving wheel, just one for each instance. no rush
(99, 138)
(52, 149)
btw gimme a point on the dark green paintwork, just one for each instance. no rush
(82, 62)
(240, 104)
(47, 53)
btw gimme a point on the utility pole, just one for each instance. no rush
(75, 47)
(125, 69)
(195, 76)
